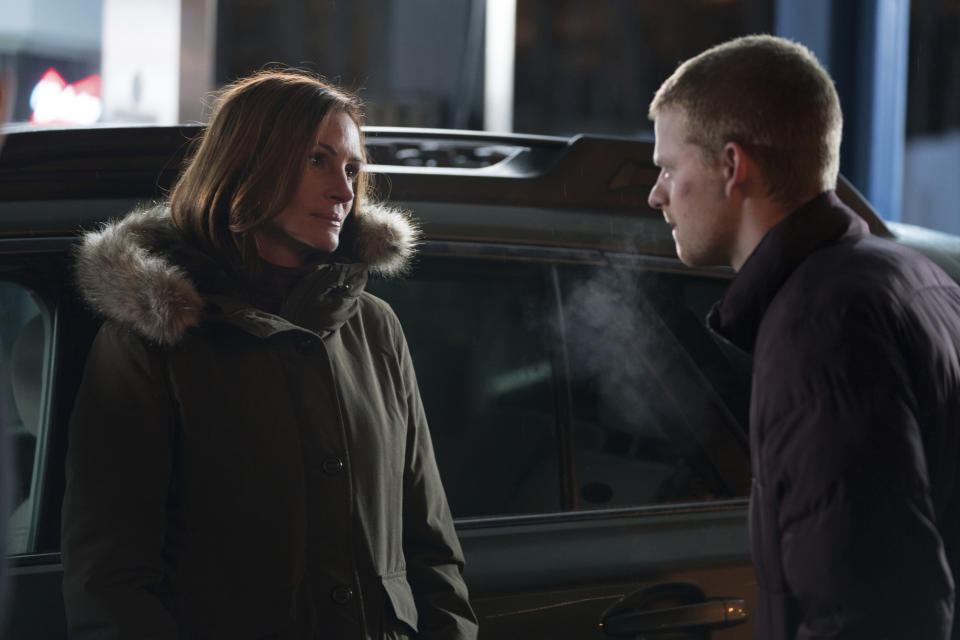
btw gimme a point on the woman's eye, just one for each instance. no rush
(352, 170)
(316, 159)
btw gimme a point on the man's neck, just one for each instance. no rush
(759, 215)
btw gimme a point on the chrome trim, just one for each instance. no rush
(485, 522)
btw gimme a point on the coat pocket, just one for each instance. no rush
(401, 598)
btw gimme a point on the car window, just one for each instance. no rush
(538, 375)
(657, 406)
(24, 352)
(477, 333)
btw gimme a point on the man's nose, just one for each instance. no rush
(656, 199)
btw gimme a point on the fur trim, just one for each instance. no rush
(386, 240)
(121, 279)
(136, 270)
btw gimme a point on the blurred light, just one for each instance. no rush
(54, 102)
(501, 26)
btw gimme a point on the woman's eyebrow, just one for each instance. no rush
(334, 151)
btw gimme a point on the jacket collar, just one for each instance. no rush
(141, 272)
(321, 302)
(820, 222)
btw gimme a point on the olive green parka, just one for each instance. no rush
(233, 473)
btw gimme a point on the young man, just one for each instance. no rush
(855, 409)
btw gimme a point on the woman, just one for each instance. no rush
(248, 454)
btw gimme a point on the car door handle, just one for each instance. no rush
(701, 616)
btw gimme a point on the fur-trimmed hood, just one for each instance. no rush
(141, 272)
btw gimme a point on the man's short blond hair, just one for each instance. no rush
(772, 97)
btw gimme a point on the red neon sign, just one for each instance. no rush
(55, 102)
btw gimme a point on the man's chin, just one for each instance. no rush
(684, 256)
(695, 260)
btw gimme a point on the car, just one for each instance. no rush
(590, 431)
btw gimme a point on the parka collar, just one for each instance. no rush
(819, 222)
(320, 303)
(141, 272)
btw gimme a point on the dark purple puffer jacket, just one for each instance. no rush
(854, 429)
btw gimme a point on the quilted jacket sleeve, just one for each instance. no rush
(844, 464)
(118, 470)
(432, 551)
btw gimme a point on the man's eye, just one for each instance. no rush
(665, 174)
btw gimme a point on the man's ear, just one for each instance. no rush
(736, 166)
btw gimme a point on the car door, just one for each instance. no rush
(44, 334)
(589, 432)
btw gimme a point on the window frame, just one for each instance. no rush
(43, 283)
(551, 257)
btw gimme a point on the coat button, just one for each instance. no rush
(341, 594)
(332, 466)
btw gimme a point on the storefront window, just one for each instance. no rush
(931, 190)
(577, 68)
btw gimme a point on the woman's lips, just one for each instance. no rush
(330, 218)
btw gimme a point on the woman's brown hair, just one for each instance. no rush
(247, 164)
